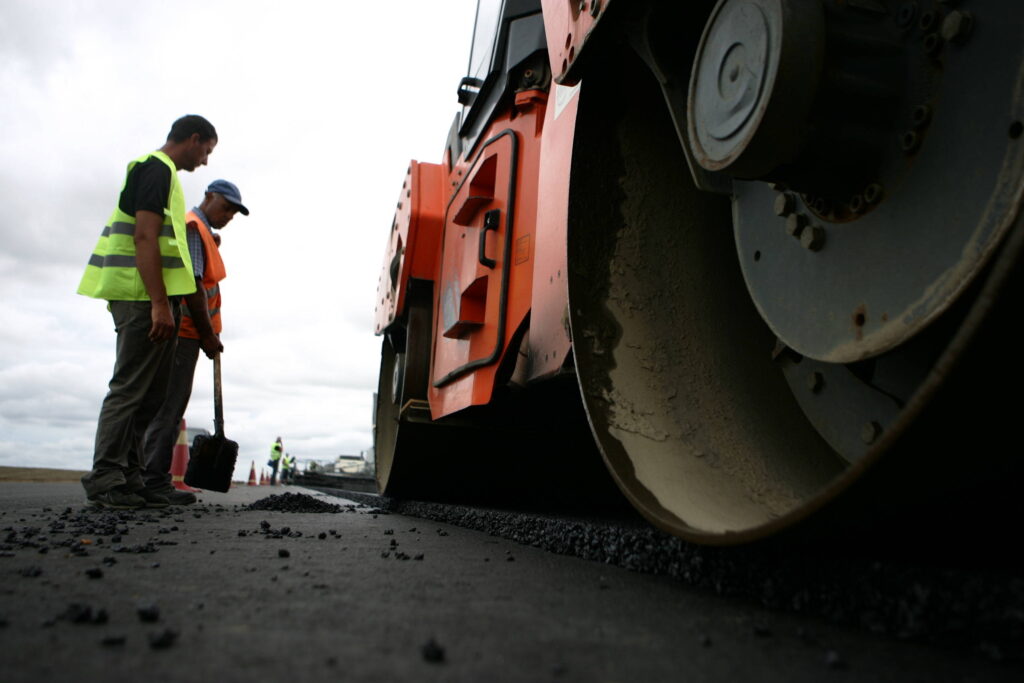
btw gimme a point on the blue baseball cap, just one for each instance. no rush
(230, 192)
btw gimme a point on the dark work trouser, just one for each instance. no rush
(137, 389)
(162, 433)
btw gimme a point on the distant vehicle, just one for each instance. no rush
(352, 465)
(192, 432)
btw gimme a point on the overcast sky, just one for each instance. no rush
(319, 107)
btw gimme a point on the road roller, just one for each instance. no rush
(766, 252)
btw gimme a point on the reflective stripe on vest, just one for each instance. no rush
(112, 272)
(213, 273)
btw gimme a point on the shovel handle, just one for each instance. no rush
(218, 401)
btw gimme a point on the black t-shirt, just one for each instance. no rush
(147, 188)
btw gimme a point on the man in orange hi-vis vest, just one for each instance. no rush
(200, 329)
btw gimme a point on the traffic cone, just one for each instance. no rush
(262, 481)
(252, 474)
(179, 462)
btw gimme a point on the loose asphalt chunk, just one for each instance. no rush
(293, 502)
(77, 613)
(162, 639)
(148, 613)
(433, 652)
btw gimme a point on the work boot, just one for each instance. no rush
(118, 500)
(152, 499)
(173, 495)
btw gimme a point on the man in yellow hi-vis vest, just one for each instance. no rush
(276, 450)
(141, 266)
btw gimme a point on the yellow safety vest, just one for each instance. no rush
(112, 273)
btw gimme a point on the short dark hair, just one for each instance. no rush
(189, 125)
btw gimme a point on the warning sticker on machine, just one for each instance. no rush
(563, 96)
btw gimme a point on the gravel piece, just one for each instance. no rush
(148, 613)
(113, 641)
(283, 553)
(77, 613)
(138, 549)
(162, 640)
(432, 652)
(94, 573)
(31, 572)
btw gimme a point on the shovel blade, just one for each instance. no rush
(212, 463)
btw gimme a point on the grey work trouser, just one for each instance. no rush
(137, 390)
(162, 433)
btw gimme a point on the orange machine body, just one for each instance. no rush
(488, 231)
(413, 240)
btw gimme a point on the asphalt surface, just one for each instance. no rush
(940, 591)
(221, 591)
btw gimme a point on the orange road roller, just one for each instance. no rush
(766, 252)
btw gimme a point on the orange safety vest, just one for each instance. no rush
(213, 273)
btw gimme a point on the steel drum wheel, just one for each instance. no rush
(712, 426)
(386, 425)
(402, 444)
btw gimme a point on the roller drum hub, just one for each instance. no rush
(759, 58)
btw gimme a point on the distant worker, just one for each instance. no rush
(288, 469)
(141, 266)
(276, 449)
(200, 329)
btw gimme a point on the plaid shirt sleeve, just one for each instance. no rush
(195, 250)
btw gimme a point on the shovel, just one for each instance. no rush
(212, 460)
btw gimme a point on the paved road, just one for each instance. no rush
(231, 607)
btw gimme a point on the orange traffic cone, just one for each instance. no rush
(179, 462)
(262, 483)
(252, 474)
